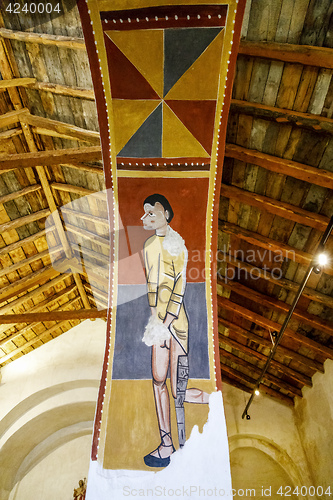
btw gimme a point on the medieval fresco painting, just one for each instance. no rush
(162, 76)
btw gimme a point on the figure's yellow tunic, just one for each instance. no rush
(166, 280)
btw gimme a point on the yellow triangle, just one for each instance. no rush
(144, 48)
(177, 141)
(200, 81)
(129, 115)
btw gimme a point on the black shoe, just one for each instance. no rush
(152, 461)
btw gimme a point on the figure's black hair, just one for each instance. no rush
(159, 198)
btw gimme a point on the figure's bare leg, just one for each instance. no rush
(160, 364)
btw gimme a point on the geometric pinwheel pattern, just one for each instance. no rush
(164, 85)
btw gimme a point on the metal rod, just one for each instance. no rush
(300, 290)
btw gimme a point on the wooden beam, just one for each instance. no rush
(12, 117)
(299, 54)
(26, 262)
(66, 90)
(272, 325)
(263, 388)
(265, 274)
(23, 284)
(308, 363)
(16, 351)
(278, 305)
(92, 237)
(18, 244)
(87, 168)
(26, 219)
(279, 367)
(66, 42)
(41, 317)
(88, 217)
(276, 207)
(269, 244)
(42, 305)
(17, 82)
(9, 134)
(317, 176)
(69, 188)
(62, 128)
(306, 120)
(268, 377)
(50, 157)
(18, 194)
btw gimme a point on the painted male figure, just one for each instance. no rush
(165, 258)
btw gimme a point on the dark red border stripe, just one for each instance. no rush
(168, 16)
(103, 123)
(220, 160)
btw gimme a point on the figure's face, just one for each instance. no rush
(154, 217)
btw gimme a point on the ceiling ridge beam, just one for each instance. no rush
(276, 207)
(282, 350)
(282, 115)
(308, 55)
(313, 175)
(274, 326)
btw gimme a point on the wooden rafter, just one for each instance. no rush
(268, 324)
(225, 369)
(277, 305)
(307, 120)
(65, 42)
(61, 128)
(17, 82)
(303, 54)
(255, 370)
(47, 303)
(67, 90)
(50, 157)
(316, 176)
(269, 244)
(267, 343)
(276, 207)
(252, 353)
(53, 316)
(265, 274)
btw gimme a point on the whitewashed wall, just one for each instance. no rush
(47, 409)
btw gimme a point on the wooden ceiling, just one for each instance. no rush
(276, 197)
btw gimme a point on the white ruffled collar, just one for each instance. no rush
(173, 242)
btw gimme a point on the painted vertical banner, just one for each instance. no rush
(162, 76)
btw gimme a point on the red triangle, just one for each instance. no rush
(198, 117)
(126, 81)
